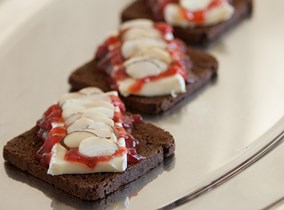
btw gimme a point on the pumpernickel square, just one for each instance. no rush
(197, 36)
(155, 145)
(201, 69)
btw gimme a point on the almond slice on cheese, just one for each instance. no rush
(97, 146)
(144, 66)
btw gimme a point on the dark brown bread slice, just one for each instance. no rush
(198, 36)
(204, 67)
(155, 144)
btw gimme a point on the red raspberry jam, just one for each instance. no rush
(112, 63)
(52, 130)
(198, 17)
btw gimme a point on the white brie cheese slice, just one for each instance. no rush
(89, 121)
(213, 16)
(58, 165)
(172, 84)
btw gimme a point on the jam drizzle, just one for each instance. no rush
(110, 59)
(52, 131)
(73, 155)
(196, 17)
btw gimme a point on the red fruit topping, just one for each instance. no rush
(198, 17)
(51, 132)
(164, 28)
(131, 142)
(133, 157)
(136, 118)
(57, 131)
(116, 101)
(101, 52)
(45, 159)
(112, 41)
(75, 156)
(48, 144)
(53, 111)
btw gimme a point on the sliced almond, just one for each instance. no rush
(79, 125)
(74, 103)
(105, 133)
(67, 112)
(130, 47)
(73, 106)
(78, 105)
(100, 104)
(143, 66)
(160, 54)
(86, 94)
(68, 96)
(137, 23)
(154, 52)
(102, 110)
(98, 117)
(138, 33)
(96, 147)
(98, 97)
(74, 139)
(99, 125)
(84, 99)
(72, 118)
(91, 90)
(90, 112)
(194, 5)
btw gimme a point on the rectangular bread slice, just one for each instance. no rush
(203, 68)
(198, 36)
(155, 144)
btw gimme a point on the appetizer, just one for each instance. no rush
(88, 145)
(197, 22)
(151, 70)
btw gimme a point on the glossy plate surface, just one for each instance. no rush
(220, 126)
